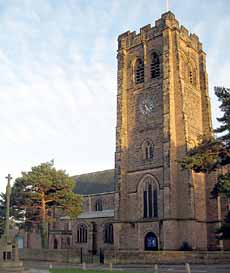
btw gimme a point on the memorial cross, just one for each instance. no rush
(8, 193)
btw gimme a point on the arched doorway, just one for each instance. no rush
(55, 243)
(151, 242)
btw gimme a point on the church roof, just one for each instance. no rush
(96, 182)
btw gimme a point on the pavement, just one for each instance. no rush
(43, 267)
(39, 271)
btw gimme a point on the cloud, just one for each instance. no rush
(58, 75)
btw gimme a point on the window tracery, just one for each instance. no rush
(108, 238)
(148, 150)
(150, 199)
(82, 233)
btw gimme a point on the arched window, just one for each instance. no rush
(150, 198)
(62, 243)
(98, 205)
(139, 71)
(155, 65)
(151, 242)
(108, 238)
(82, 234)
(68, 242)
(55, 243)
(148, 150)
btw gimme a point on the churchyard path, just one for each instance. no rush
(42, 267)
(39, 271)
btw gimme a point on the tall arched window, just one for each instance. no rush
(98, 205)
(108, 238)
(55, 243)
(139, 71)
(148, 150)
(68, 242)
(155, 65)
(82, 234)
(150, 198)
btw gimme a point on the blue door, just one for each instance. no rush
(151, 242)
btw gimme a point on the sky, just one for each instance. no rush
(58, 75)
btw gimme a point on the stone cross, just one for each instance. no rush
(8, 193)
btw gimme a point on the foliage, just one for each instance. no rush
(222, 187)
(44, 189)
(2, 218)
(208, 156)
(17, 214)
(223, 233)
(213, 153)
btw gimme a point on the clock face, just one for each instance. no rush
(146, 106)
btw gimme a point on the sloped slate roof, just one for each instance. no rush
(96, 182)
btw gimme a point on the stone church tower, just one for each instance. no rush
(162, 109)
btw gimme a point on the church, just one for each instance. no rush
(147, 203)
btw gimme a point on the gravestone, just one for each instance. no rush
(9, 258)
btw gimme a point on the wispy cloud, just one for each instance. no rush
(58, 75)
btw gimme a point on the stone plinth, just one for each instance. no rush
(13, 267)
(9, 260)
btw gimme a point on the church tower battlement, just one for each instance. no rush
(163, 108)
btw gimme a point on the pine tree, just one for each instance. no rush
(42, 190)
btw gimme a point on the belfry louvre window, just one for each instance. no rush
(150, 196)
(108, 238)
(82, 234)
(155, 65)
(140, 71)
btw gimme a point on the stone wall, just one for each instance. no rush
(50, 255)
(107, 199)
(130, 257)
(167, 257)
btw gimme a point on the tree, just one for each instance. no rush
(17, 214)
(46, 189)
(2, 218)
(213, 153)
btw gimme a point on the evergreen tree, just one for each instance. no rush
(17, 214)
(42, 190)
